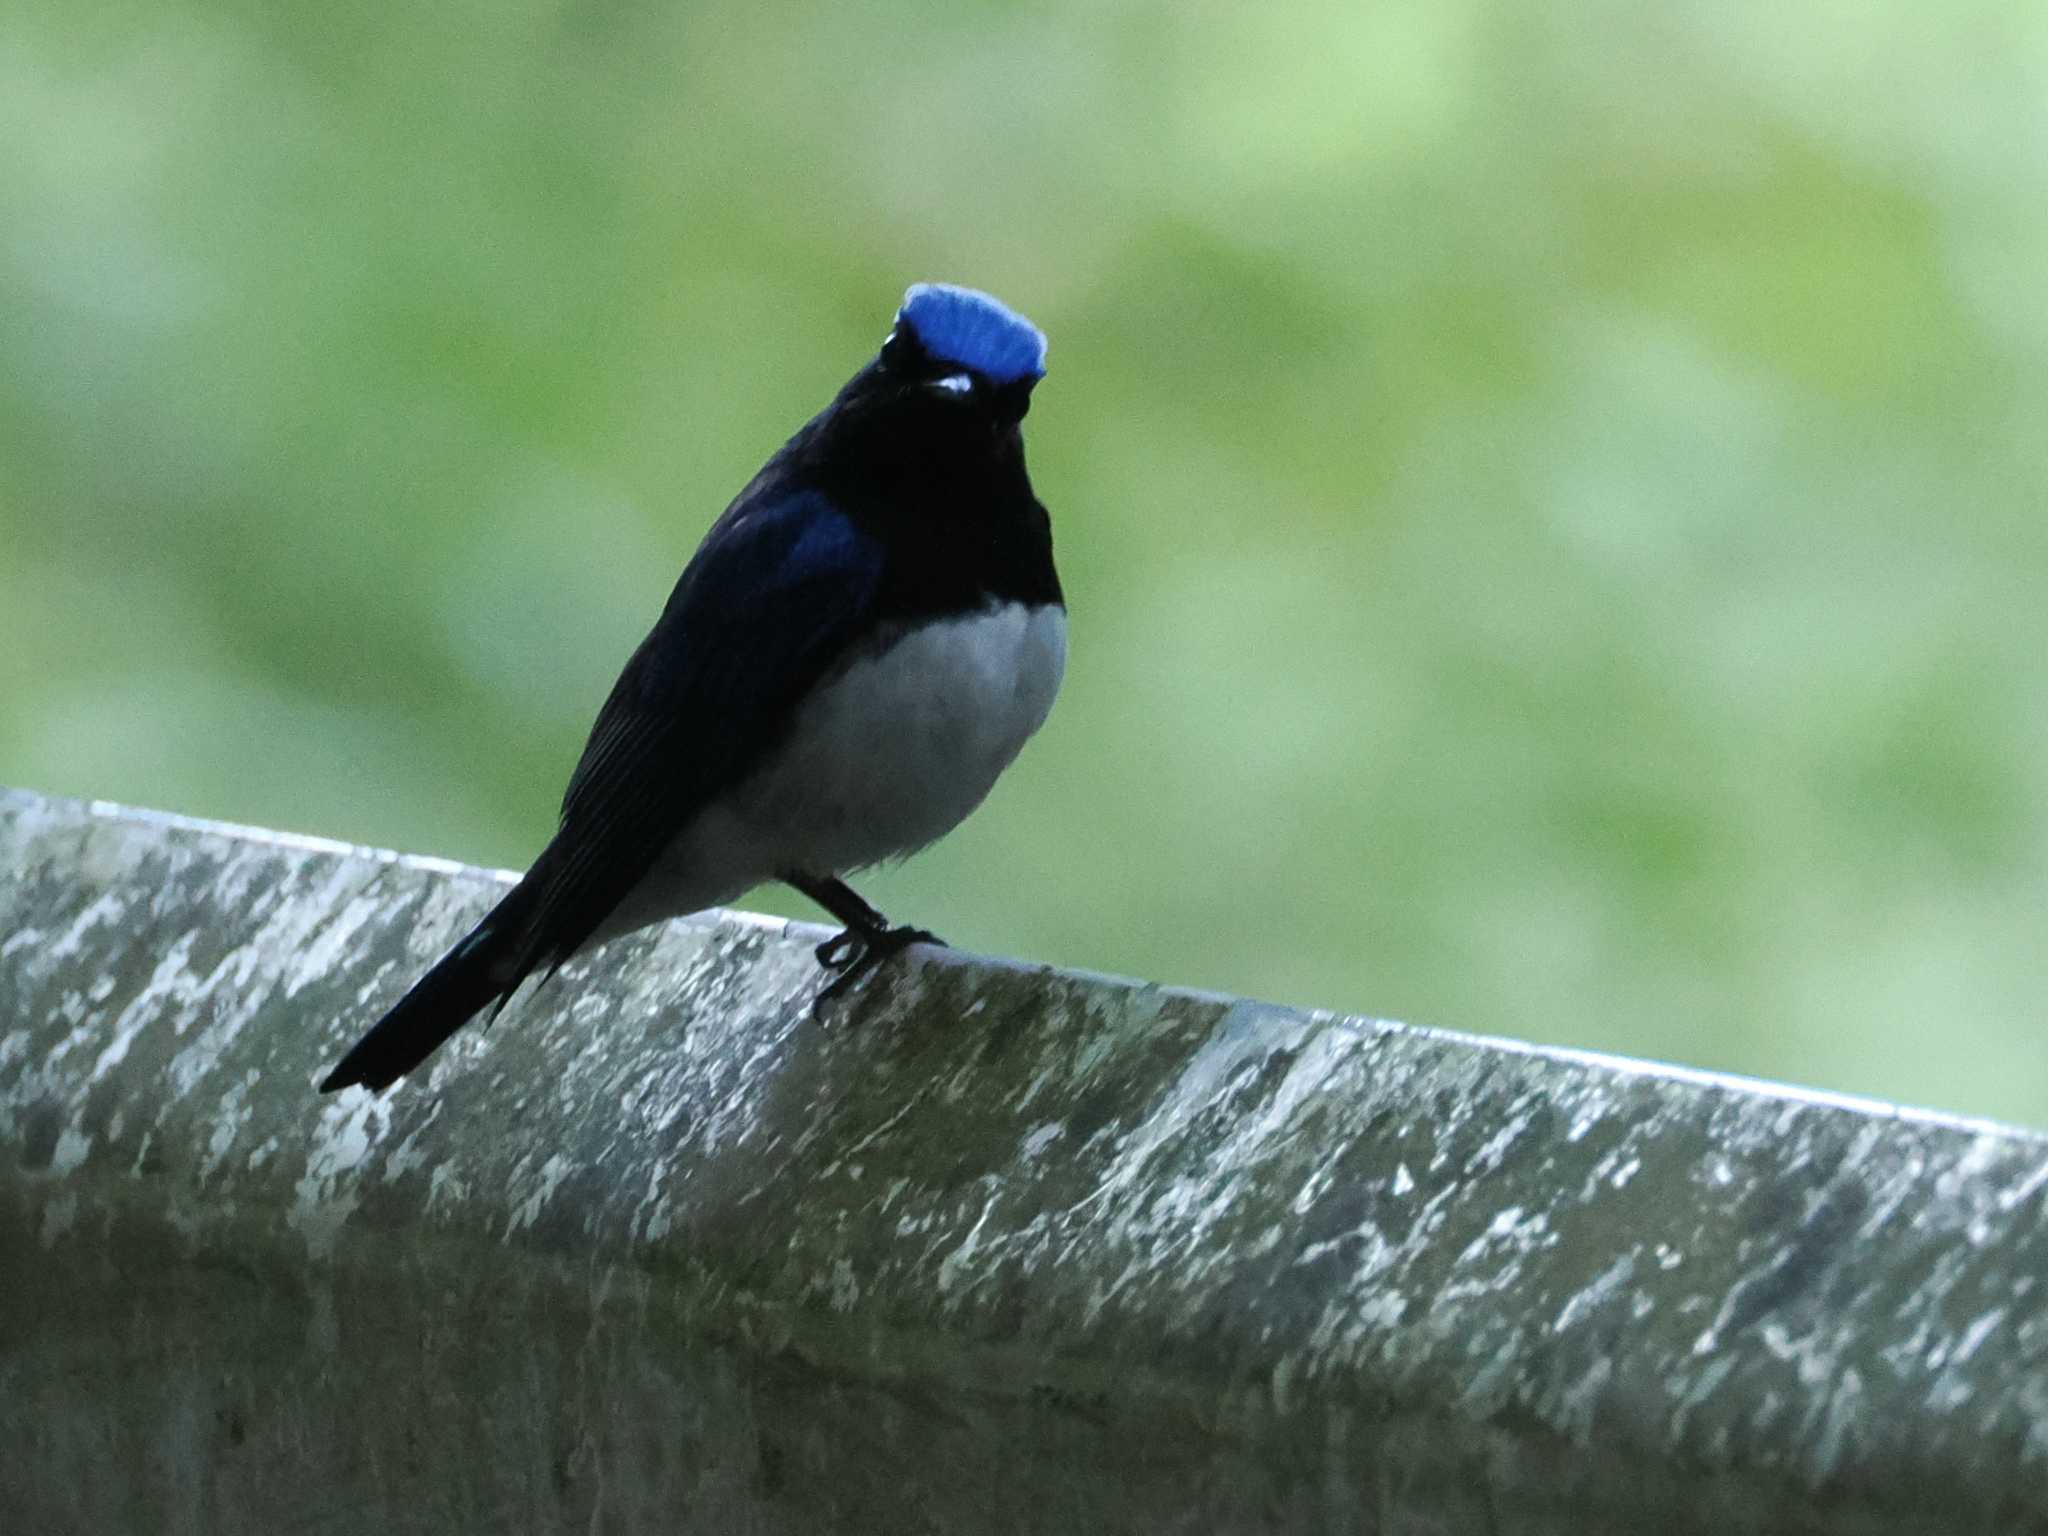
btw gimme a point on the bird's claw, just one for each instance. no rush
(838, 952)
(853, 954)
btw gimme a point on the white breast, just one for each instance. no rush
(888, 755)
(897, 749)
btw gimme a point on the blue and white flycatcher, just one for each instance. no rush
(862, 643)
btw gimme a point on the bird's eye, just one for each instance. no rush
(953, 384)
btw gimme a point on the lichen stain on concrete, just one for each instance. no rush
(229, 1119)
(540, 1188)
(72, 1151)
(347, 1127)
(317, 958)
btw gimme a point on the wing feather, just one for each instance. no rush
(779, 589)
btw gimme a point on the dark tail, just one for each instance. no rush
(484, 968)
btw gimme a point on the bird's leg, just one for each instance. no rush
(867, 939)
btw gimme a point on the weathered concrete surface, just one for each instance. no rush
(1003, 1250)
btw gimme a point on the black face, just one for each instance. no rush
(912, 371)
(912, 426)
(929, 455)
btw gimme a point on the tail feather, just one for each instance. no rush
(484, 968)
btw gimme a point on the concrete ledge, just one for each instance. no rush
(1007, 1250)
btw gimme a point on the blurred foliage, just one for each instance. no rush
(1550, 496)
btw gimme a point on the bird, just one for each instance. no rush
(862, 643)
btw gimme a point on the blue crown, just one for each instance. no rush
(972, 330)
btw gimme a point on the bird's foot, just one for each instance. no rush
(852, 953)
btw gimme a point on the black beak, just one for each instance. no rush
(1013, 400)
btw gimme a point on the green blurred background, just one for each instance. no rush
(1550, 496)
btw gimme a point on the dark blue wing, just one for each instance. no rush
(779, 588)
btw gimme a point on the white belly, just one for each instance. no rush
(897, 749)
(887, 756)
